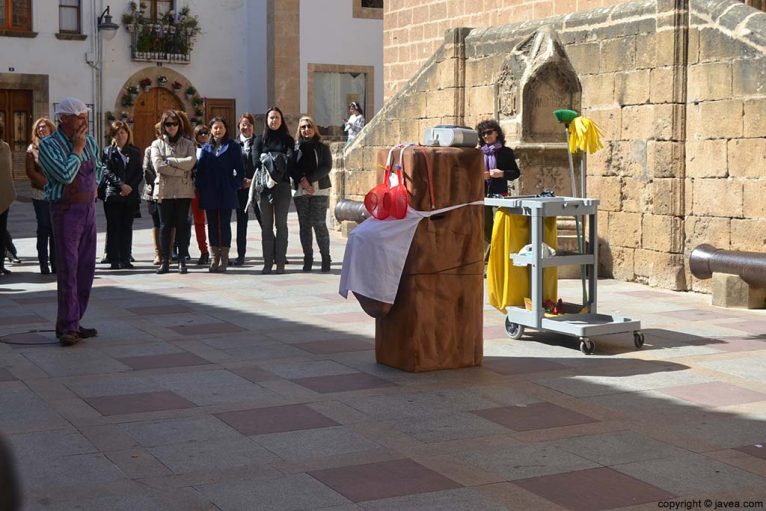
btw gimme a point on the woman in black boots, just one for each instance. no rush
(123, 176)
(311, 181)
(275, 201)
(173, 158)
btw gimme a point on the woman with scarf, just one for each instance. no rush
(219, 176)
(275, 202)
(500, 167)
(246, 140)
(46, 251)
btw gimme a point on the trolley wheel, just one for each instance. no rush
(514, 330)
(638, 339)
(587, 346)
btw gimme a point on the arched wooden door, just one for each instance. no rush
(147, 112)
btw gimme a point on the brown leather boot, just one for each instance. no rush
(156, 234)
(224, 259)
(215, 261)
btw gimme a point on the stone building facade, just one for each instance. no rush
(679, 89)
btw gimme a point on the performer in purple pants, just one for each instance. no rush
(69, 159)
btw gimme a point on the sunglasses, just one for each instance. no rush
(169, 124)
(487, 132)
(203, 133)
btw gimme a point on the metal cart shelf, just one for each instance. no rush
(581, 325)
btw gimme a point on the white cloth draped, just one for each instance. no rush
(376, 251)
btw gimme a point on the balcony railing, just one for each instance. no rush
(155, 42)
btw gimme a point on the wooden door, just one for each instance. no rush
(16, 116)
(147, 113)
(225, 108)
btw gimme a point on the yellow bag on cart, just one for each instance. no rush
(508, 285)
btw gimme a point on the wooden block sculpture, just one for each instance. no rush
(436, 321)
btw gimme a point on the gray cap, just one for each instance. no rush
(71, 106)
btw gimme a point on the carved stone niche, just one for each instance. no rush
(536, 79)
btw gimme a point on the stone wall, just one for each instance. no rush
(680, 95)
(412, 31)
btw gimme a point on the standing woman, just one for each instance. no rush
(355, 121)
(201, 137)
(46, 250)
(173, 158)
(123, 176)
(7, 190)
(499, 168)
(219, 176)
(150, 177)
(246, 127)
(311, 180)
(275, 202)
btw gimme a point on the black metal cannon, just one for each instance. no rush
(749, 266)
(350, 210)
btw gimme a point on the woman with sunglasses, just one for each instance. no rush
(500, 167)
(173, 158)
(311, 180)
(219, 176)
(275, 202)
(46, 251)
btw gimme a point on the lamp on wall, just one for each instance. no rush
(106, 26)
(106, 29)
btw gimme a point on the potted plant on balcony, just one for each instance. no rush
(176, 85)
(127, 100)
(131, 18)
(132, 90)
(145, 84)
(170, 36)
(190, 92)
(109, 116)
(162, 80)
(197, 101)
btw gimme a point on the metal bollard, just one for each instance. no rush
(350, 210)
(749, 266)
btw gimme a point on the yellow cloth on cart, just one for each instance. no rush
(508, 285)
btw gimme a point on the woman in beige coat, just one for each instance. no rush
(7, 190)
(173, 158)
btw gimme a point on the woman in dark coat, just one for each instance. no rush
(219, 175)
(311, 180)
(122, 178)
(246, 142)
(275, 202)
(499, 168)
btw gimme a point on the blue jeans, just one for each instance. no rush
(46, 248)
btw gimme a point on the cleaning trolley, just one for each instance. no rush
(533, 304)
(585, 322)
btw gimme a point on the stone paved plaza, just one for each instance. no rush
(251, 392)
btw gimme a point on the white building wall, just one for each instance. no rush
(228, 59)
(63, 61)
(331, 35)
(223, 59)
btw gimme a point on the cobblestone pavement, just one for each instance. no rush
(250, 392)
